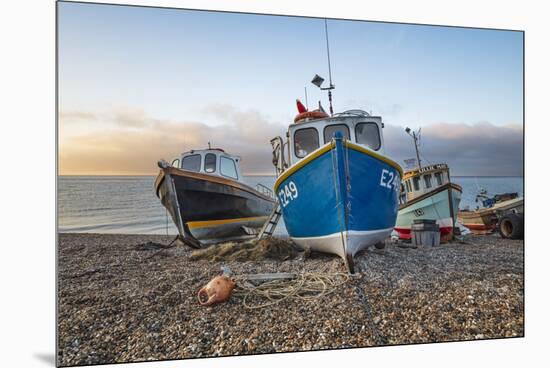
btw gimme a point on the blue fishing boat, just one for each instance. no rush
(337, 190)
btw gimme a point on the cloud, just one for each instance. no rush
(133, 141)
(130, 141)
(480, 149)
(76, 115)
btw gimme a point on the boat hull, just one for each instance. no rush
(340, 199)
(484, 221)
(479, 222)
(209, 207)
(441, 205)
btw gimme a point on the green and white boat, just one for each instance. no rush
(427, 193)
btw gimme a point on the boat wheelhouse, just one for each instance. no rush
(428, 193)
(207, 198)
(337, 190)
(355, 126)
(210, 161)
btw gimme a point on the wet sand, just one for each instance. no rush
(119, 302)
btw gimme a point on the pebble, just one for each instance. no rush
(121, 304)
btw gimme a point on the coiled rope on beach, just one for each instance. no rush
(305, 286)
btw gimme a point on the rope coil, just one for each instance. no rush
(305, 286)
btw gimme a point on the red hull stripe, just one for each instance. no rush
(406, 233)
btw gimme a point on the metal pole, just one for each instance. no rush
(451, 205)
(307, 105)
(416, 148)
(328, 54)
(330, 102)
(329, 71)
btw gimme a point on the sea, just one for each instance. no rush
(128, 204)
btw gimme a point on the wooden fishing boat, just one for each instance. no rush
(484, 220)
(337, 189)
(206, 197)
(428, 193)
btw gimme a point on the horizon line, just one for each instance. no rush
(133, 175)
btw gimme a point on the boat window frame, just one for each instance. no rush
(176, 166)
(427, 181)
(294, 140)
(215, 162)
(192, 155)
(408, 185)
(402, 198)
(332, 125)
(377, 131)
(438, 178)
(416, 183)
(236, 177)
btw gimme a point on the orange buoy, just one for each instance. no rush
(310, 115)
(218, 290)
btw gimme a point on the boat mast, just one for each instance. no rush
(415, 137)
(318, 81)
(416, 148)
(331, 86)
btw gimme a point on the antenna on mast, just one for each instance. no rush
(328, 56)
(318, 81)
(305, 90)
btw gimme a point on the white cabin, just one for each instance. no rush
(356, 126)
(421, 181)
(213, 161)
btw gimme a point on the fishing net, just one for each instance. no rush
(252, 250)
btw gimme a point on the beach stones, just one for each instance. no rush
(134, 308)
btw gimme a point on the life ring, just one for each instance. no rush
(310, 115)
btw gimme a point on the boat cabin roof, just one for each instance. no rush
(425, 170)
(420, 181)
(357, 126)
(212, 161)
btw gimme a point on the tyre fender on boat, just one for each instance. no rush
(511, 226)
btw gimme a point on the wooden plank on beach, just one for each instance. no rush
(268, 276)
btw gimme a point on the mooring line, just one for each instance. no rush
(368, 309)
(166, 214)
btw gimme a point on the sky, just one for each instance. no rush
(139, 84)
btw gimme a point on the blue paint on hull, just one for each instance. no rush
(342, 190)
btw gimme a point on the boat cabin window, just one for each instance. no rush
(330, 130)
(176, 163)
(416, 183)
(191, 163)
(368, 134)
(209, 163)
(227, 167)
(305, 141)
(438, 178)
(408, 185)
(428, 180)
(402, 197)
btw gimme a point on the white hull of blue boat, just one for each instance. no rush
(347, 242)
